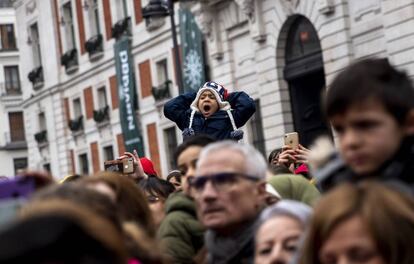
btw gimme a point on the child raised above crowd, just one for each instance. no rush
(371, 107)
(211, 111)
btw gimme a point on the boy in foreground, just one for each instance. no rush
(371, 107)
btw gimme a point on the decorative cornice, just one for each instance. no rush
(290, 6)
(204, 19)
(247, 7)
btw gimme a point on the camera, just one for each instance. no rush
(124, 166)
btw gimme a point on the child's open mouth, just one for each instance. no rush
(206, 108)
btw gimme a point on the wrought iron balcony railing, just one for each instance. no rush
(122, 27)
(36, 77)
(94, 46)
(162, 91)
(76, 124)
(70, 60)
(9, 89)
(101, 115)
(41, 137)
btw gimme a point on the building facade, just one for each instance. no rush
(281, 52)
(13, 147)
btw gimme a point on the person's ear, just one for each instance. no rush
(409, 123)
(261, 192)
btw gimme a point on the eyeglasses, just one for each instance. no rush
(220, 181)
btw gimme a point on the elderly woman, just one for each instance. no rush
(279, 231)
(366, 224)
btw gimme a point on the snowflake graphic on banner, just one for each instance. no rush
(193, 69)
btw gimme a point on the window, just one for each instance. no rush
(69, 29)
(83, 164)
(162, 71)
(108, 153)
(42, 122)
(37, 56)
(16, 123)
(77, 108)
(120, 9)
(6, 3)
(94, 18)
(102, 100)
(256, 130)
(12, 81)
(20, 164)
(46, 167)
(171, 142)
(8, 40)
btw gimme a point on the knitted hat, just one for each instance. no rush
(147, 166)
(221, 95)
(219, 92)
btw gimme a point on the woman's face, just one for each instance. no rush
(277, 240)
(186, 162)
(349, 243)
(156, 205)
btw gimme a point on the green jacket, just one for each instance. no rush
(295, 187)
(180, 233)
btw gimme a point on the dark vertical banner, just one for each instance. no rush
(127, 96)
(192, 52)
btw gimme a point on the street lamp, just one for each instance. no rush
(163, 8)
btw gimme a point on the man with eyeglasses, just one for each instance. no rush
(229, 190)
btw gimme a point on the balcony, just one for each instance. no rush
(121, 28)
(70, 60)
(7, 89)
(94, 46)
(41, 138)
(36, 78)
(101, 116)
(76, 125)
(162, 92)
(14, 142)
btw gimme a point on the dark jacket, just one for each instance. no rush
(217, 125)
(237, 248)
(180, 233)
(397, 171)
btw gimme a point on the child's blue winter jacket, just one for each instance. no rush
(217, 125)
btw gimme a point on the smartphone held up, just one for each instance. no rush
(292, 140)
(124, 166)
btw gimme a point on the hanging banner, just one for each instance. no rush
(192, 50)
(127, 96)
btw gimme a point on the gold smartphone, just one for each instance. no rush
(292, 140)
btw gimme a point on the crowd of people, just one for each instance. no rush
(225, 203)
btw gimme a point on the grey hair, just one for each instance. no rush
(291, 208)
(254, 162)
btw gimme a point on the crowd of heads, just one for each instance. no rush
(224, 203)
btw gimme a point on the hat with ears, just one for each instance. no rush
(221, 95)
(219, 92)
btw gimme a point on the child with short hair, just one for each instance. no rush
(371, 107)
(211, 111)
